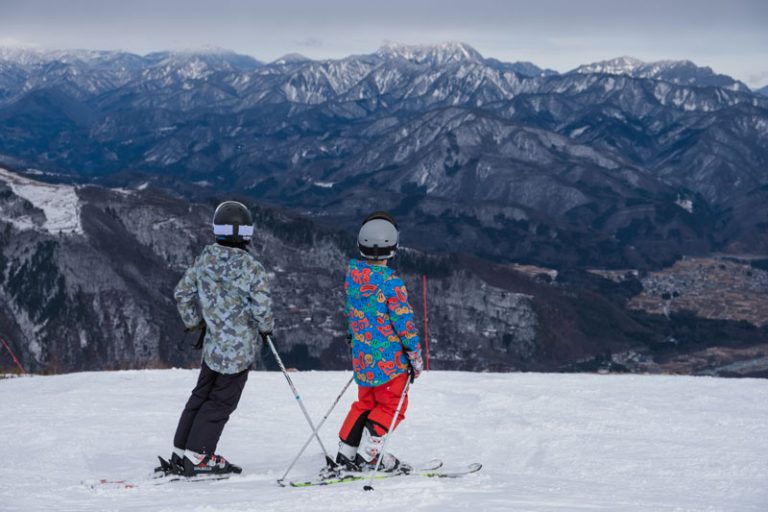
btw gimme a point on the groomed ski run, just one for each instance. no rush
(548, 442)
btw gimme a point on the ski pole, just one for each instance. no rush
(328, 459)
(369, 487)
(314, 432)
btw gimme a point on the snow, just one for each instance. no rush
(685, 204)
(617, 66)
(35, 348)
(548, 442)
(578, 131)
(126, 192)
(291, 58)
(195, 69)
(439, 54)
(59, 203)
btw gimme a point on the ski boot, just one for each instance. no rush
(203, 464)
(368, 454)
(344, 463)
(345, 458)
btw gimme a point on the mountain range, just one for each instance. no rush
(87, 276)
(614, 165)
(529, 164)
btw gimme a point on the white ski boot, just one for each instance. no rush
(368, 454)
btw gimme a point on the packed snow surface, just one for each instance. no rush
(59, 203)
(547, 442)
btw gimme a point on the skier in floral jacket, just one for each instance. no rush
(384, 343)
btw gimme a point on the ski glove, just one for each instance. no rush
(264, 336)
(417, 364)
(198, 326)
(202, 327)
(349, 342)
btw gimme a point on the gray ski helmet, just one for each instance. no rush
(378, 238)
(232, 222)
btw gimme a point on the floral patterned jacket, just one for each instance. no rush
(380, 323)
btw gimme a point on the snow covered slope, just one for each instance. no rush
(59, 203)
(549, 443)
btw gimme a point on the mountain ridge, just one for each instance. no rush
(591, 159)
(86, 284)
(674, 71)
(450, 52)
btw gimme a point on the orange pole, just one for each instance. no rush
(426, 322)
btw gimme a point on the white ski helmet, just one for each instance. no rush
(232, 222)
(378, 238)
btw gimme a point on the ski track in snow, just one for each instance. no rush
(548, 442)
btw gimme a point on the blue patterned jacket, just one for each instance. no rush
(380, 321)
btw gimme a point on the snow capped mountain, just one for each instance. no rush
(37, 56)
(528, 69)
(435, 54)
(78, 73)
(291, 58)
(763, 91)
(301, 80)
(431, 119)
(681, 72)
(23, 56)
(617, 66)
(212, 56)
(502, 160)
(27, 56)
(181, 66)
(190, 63)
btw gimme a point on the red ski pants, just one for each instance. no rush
(376, 405)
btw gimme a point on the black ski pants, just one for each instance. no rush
(214, 398)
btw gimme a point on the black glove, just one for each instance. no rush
(349, 342)
(203, 328)
(264, 336)
(196, 327)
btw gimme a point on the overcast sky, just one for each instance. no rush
(730, 36)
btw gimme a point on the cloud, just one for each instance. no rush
(309, 42)
(758, 80)
(12, 42)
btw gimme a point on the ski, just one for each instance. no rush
(358, 477)
(127, 484)
(163, 475)
(108, 484)
(327, 473)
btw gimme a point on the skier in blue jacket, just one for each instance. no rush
(384, 343)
